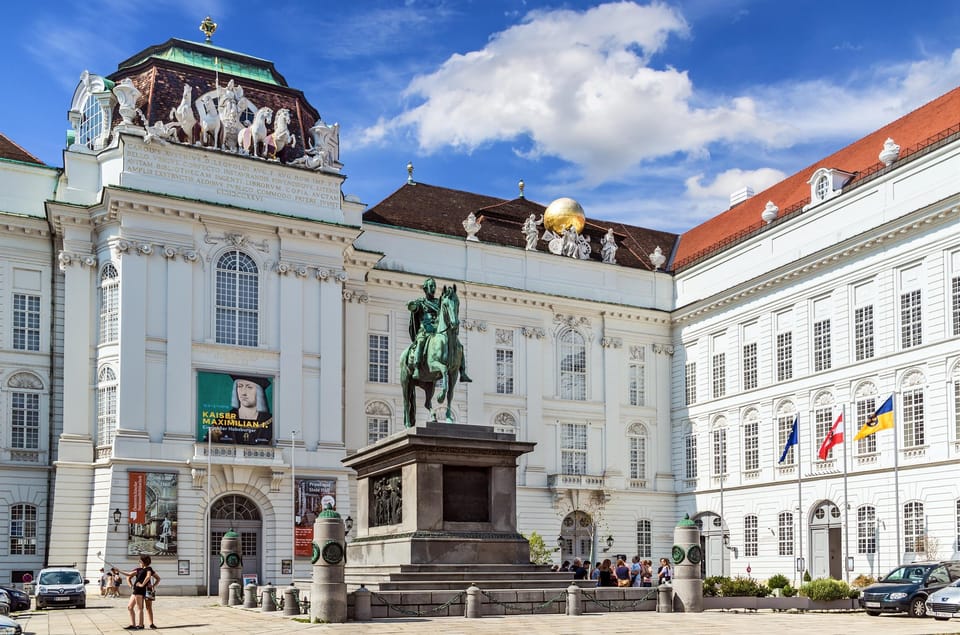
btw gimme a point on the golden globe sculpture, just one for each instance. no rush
(562, 213)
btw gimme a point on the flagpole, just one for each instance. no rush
(846, 498)
(896, 477)
(799, 500)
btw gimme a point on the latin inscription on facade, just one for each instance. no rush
(221, 178)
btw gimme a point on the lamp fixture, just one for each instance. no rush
(116, 518)
(559, 543)
(349, 524)
(609, 544)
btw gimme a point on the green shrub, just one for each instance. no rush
(788, 591)
(862, 581)
(806, 576)
(743, 587)
(778, 581)
(711, 585)
(825, 589)
(854, 593)
(539, 553)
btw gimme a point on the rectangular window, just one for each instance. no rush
(913, 432)
(690, 456)
(638, 457)
(26, 322)
(784, 428)
(377, 428)
(504, 354)
(719, 375)
(956, 409)
(911, 314)
(573, 448)
(785, 534)
(751, 445)
(635, 380)
(750, 538)
(863, 332)
(784, 356)
(378, 366)
(866, 530)
(720, 452)
(913, 527)
(956, 305)
(865, 409)
(750, 366)
(23, 530)
(822, 421)
(25, 415)
(821, 345)
(690, 383)
(644, 539)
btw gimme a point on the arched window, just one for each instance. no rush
(955, 381)
(914, 433)
(865, 397)
(23, 530)
(822, 419)
(378, 421)
(637, 438)
(109, 304)
(718, 438)
(25, 391)
(106, 407)
(866, 529)
(785, 534)
(751, 440)
(238, 300)
(573, 366)
(90, 110)
(750, 536)
(913, 528)
(786, 413)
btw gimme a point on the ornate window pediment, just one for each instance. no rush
(827, 183)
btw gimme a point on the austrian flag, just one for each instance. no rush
(834, 437)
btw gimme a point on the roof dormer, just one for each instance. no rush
(827, 183)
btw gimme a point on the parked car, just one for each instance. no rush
(944, 603)
(9, 626)
(61, 586)
(4, 603)
(906, 588)
(19, 601)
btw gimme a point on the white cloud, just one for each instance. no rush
(730, 181)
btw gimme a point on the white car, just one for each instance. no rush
(944, 603)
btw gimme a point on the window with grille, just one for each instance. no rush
(750, 538)
(913, 428)
(504, 359)
(784, 356)
(784, 428)
(958, 522)
(638, 454)
(956, 403)
(216, 537)
(863, 332)
(822, 422)
(690, 383)
(106, 406)
(785, 534)
(866, 529)
(238, 300)
(91, 126)
(690, 456)
(911, 332)
(573, 448)
(644, 539)
(913, 527)
(23, 530)
(248, 543)
(865, 409)
(26, 322)
(750, 366)
(378, 358)
(109, 304)
(719, 375)
(751, 444)
(378, 421)
(719, 451)
(573, 366)
(821, 345)
(636, 387)
(25, 420)
(956, 304)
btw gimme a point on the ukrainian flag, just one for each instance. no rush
(882, 419)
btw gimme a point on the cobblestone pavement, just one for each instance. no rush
(202, 616)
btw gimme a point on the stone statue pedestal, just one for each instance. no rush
(439, 495)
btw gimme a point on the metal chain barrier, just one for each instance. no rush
(619, 606)
(391, 606)
(561, 597)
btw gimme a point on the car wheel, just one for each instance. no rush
(82, 605)
(918, 607)
(873, 613)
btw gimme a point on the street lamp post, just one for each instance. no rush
(293, 511)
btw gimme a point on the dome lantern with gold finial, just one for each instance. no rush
(563, 213)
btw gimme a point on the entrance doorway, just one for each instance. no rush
(825, 541)
(576, 532)
(242, 515)
(713, 540)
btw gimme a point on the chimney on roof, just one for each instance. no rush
(741, 195)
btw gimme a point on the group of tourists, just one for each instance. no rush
(639, 573)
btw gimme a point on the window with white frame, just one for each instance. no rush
(785, 534)
(749, 354)
(644, 539)
(866, 404)
(955, 291)
(109, 304)
(504, 355)
(573, 448)
(866, 529)
(956, 402)
(25, 391)
(91, 124)
(23, 530)
(822, 419)
(378, 358)
(913, 423)
(913, 527)
(378, 421)
(573, 366)
(26, 322)
(690, 456)
(786, 413)
(637, 438)
(822, 353)
(690, 383)
(911, 314)
(750, 538)
(718, 363)
(106, 406)
(505, 422)
(635, 378)
(751, 440)
(958, 522)
(863, 301)
(784, 345)
(238, 299)
(719, 439)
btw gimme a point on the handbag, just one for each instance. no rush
(150, 594)
(623, 582)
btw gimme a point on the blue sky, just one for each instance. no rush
(646, 113)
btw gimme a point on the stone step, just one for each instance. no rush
(486, 585)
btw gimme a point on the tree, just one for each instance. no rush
(539, 554)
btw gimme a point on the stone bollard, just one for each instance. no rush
(473, 602)
(328, 592)
(234, 594)
(268, 603)
(231, 565)
(361, 605)
(291, 600)
(574, 600)
(250, 596)
(664, 598)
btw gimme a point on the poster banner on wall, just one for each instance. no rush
(152, 524)
(310, 497)
(235, 408)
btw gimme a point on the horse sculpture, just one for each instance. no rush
(209, 122)
(442, 356)
(251, 139)
(183, 113)
(281, 136)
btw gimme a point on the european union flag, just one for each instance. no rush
(793, 439)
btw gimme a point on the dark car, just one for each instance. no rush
(19, 601)
(905, 589)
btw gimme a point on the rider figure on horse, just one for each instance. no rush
(423, 323)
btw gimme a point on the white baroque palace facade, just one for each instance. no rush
(197, 326)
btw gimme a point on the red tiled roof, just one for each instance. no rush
(912, 132)
(442, 210)
(10, 150)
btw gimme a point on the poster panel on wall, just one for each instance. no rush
(235, 408)
(310, 494)
(152, 516)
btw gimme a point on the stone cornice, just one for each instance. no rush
(30, 226)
